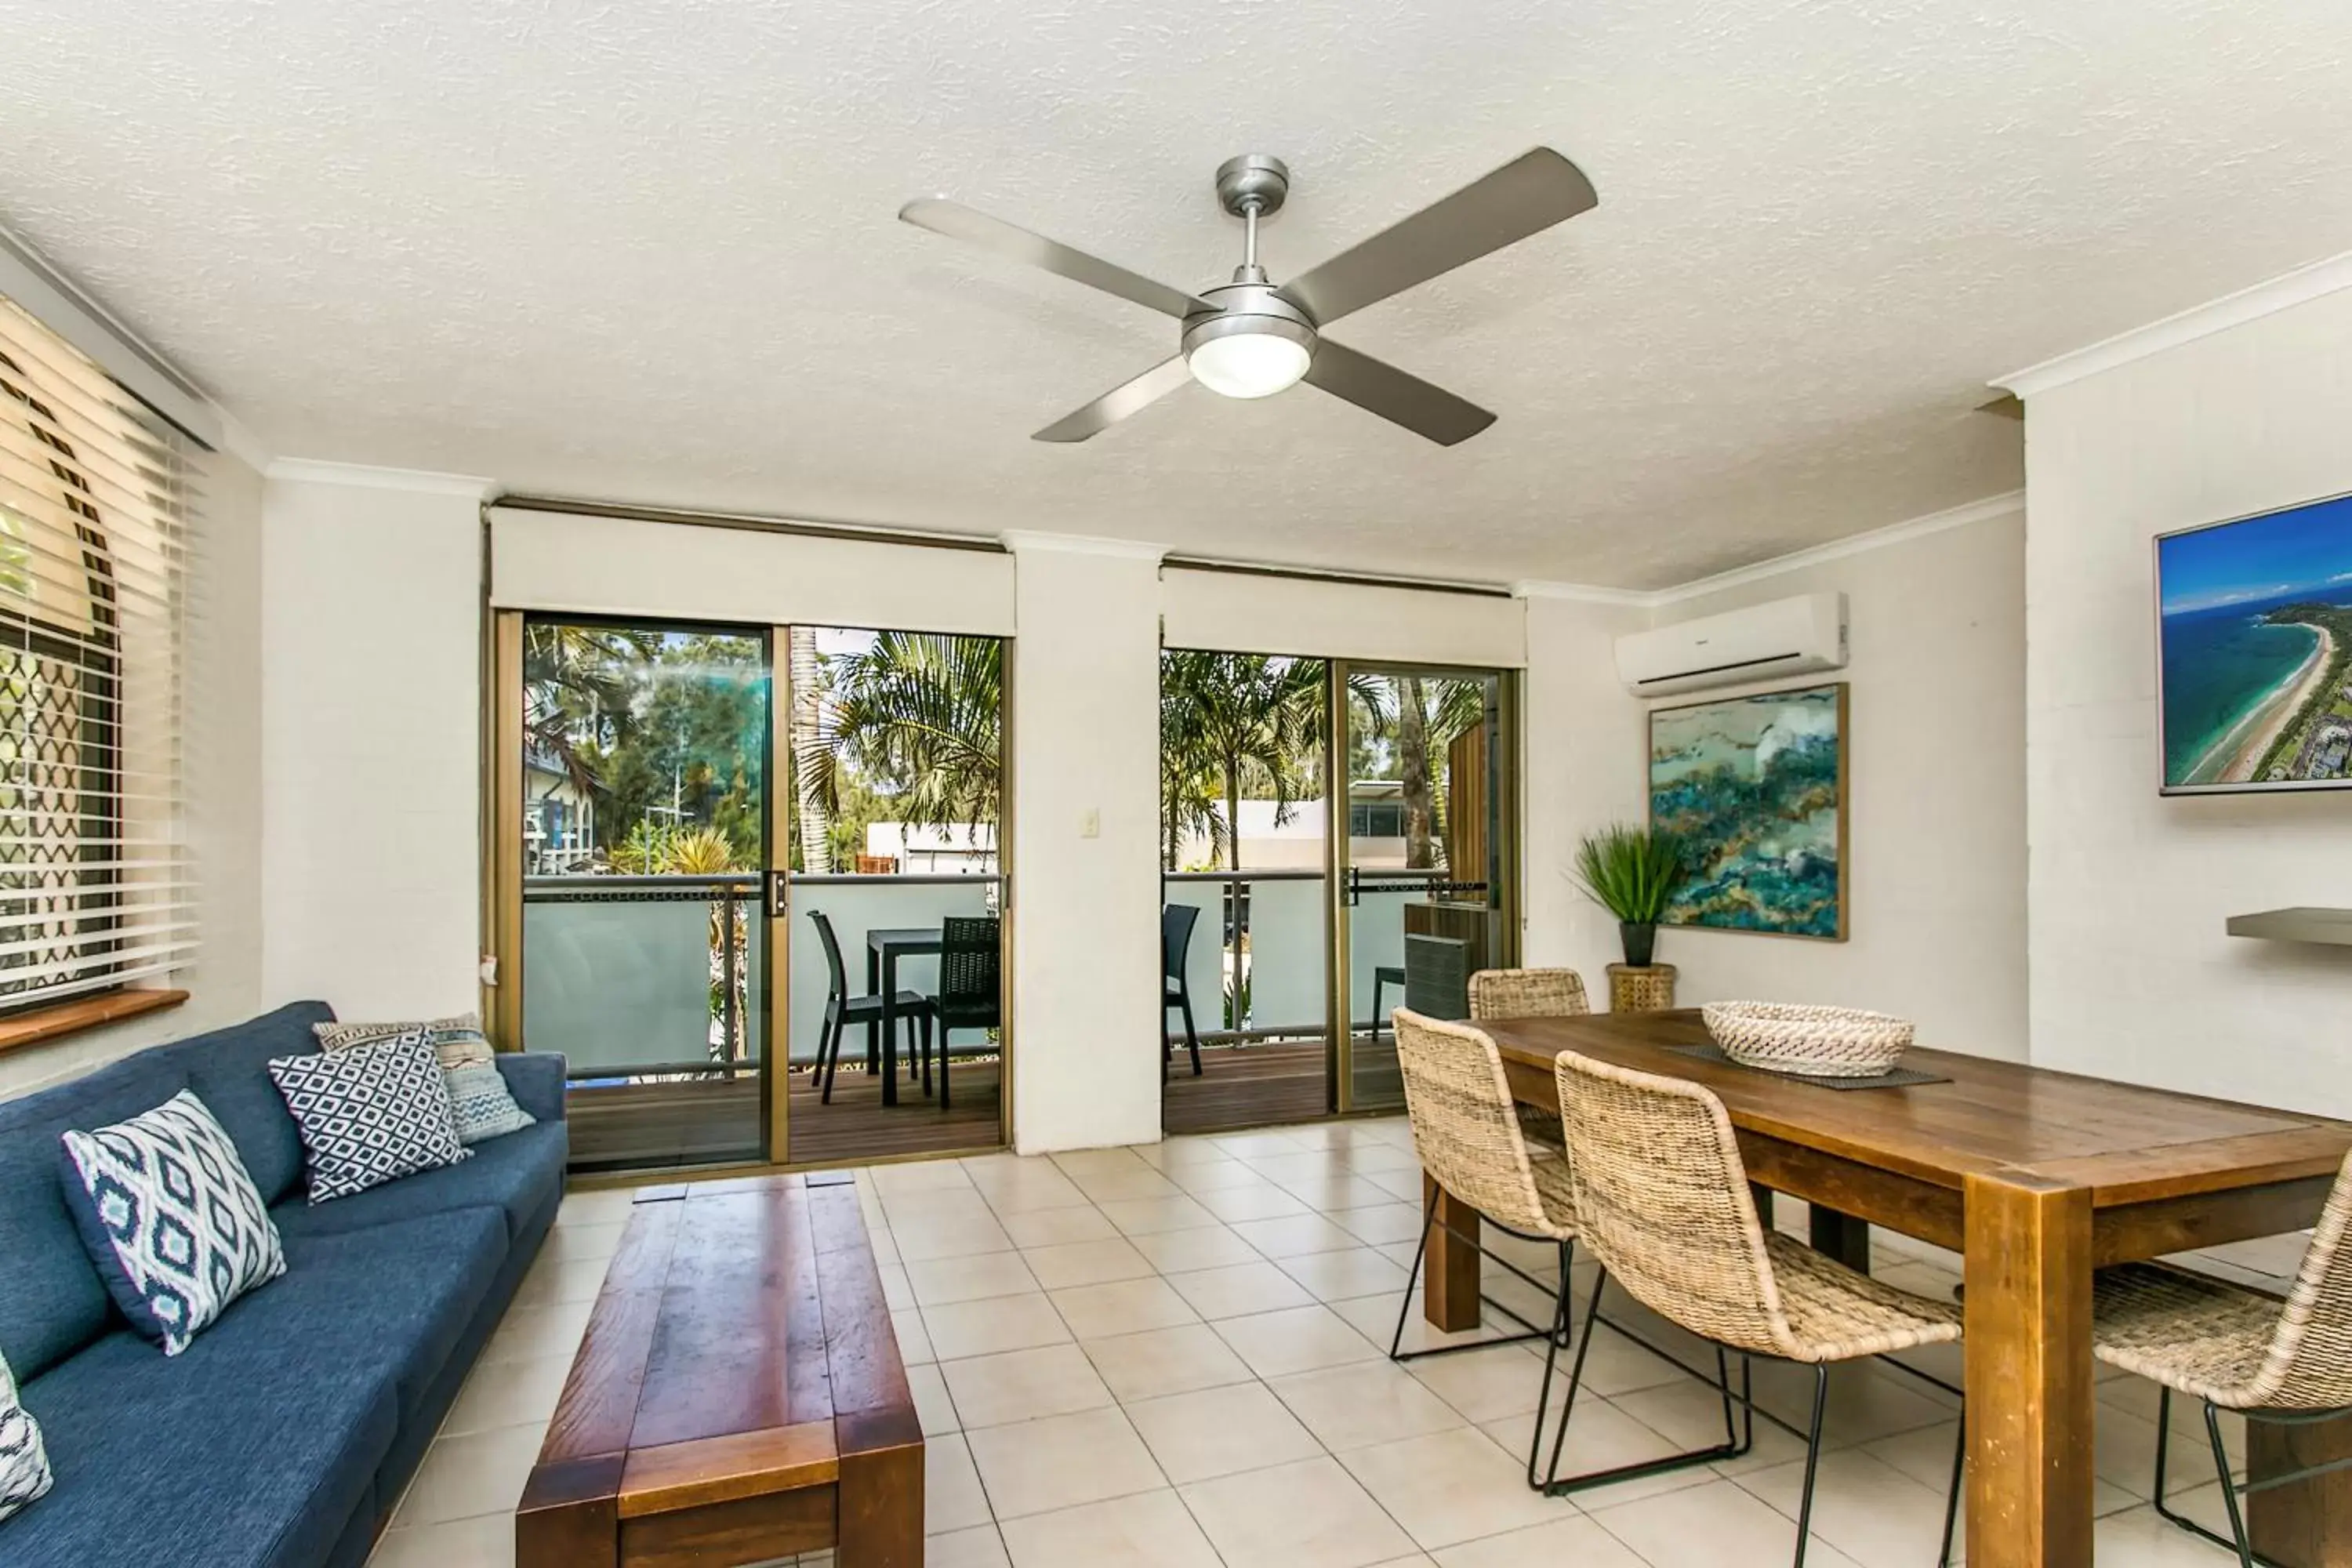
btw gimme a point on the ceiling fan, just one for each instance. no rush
(1251, 337)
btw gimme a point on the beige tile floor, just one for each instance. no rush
(1173, 1355)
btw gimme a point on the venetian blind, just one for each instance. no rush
(95, 495)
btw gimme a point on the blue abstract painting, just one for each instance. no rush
(1756, 787)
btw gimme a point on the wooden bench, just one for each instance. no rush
(738, 1396)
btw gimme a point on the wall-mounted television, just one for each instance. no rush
(2254, 639)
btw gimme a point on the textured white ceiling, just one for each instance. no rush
(647, 251)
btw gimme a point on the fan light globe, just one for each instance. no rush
(1248, 365)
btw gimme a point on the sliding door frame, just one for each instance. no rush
(502, 875)
(1503, 872)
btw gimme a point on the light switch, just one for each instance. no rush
(1091, 825)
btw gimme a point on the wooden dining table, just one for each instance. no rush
(2037, 1178)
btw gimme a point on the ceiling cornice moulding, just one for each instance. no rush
(2296, 288)
(1584, 592)
(1020, 539)
(364, 476)
(2006, 504)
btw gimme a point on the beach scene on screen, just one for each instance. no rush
(2256, 633)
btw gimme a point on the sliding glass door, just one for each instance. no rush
(1424, 895)
(747, 881)
(896, 894)
(1244, 889)
(643, 841)
(1338, 839)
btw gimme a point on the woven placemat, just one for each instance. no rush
(1898, 1079)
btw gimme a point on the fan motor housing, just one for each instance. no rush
(1253, 306)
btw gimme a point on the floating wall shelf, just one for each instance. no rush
(2296, 925)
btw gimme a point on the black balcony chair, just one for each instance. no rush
(971, 987)
(1176, 923)
(842, 1009)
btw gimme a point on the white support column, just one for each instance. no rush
(1084, 844)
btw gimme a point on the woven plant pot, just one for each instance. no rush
(1648, 989)
(1820, 1042)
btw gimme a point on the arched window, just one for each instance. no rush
(94, 890)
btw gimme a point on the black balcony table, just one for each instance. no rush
(885, 946)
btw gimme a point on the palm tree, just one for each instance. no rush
(580, 685)
(920, 712)
(1228, 713)
(811, 814)
(1431, 716)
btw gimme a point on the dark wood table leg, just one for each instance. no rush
(2027, 1305)
(1839, 1235)
(881, 1508)
(2303, 1524)
(1763, 1196)
(1449, 1275)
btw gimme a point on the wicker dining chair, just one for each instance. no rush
(1459, 1104)
(1662, 1201)
(1530, 993)
(1527, 993)
(2287, 1363)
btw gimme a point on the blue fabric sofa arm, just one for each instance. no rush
(535, 1078)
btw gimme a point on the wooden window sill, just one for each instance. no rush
(38, 1025)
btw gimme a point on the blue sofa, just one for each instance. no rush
(283, 1435)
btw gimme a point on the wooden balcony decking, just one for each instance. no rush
(1260, 1085)
(657, 1126)
(711, 1122)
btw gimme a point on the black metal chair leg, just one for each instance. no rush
(1552, 1342)
(943, 1067)
(1575, 1378)
(1952, 1498)
(1812, 1459)
(1191, 1035)
(2229, 1491)
(1412, 1276)
(911, 1026)
(828, 1061)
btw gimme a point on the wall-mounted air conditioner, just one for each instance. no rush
(1762, 642)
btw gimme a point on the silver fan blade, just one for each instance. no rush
(1380, 388)
(1526, 196)
(960, 222)
(1120, 401)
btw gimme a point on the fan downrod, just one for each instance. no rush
(1258, 178)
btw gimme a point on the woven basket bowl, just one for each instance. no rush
(1820, 1042)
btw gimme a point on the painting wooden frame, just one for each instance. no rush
(1709, 847)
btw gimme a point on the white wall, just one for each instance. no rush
(1936, 855)
(1583, 749)
(1936, 760)
(1084, 849)
(2133, 975)
(222, 784)
(371, 705)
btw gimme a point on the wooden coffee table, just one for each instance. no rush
(738, 1396)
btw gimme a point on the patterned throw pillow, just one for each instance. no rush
(169, 1217)
(484, 1107)
(370, 1114)
(24, 1463)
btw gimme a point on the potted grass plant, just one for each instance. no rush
(1632, 872)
